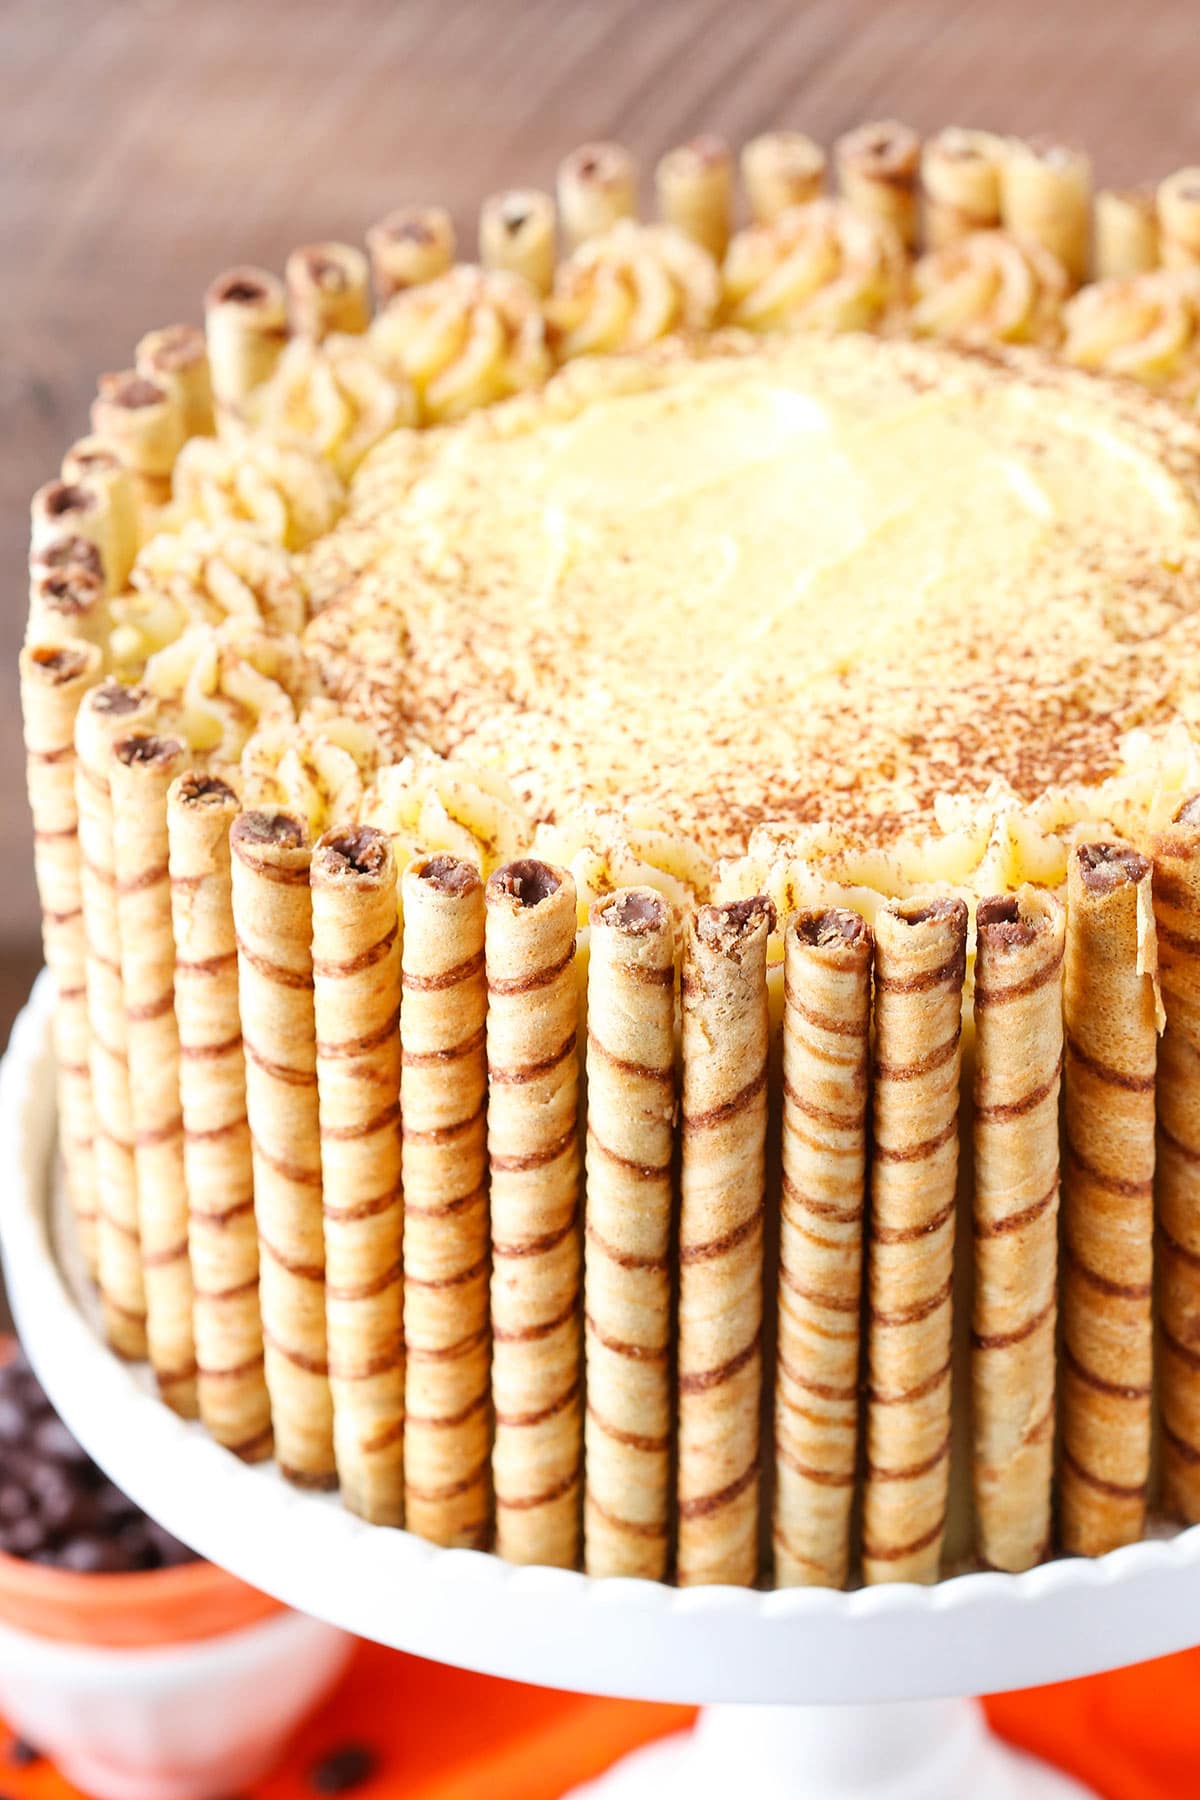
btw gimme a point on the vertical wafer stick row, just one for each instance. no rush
(443, 1089)
(143, 768)
(877, 170)
(920, 963)
(105, 714)
(272, 915)
(176, 359)
(517, 232)
(960, 182)
(411, 246)
(67, 596)
(245, 328)
(826, 1055)
(627, 1274)
(1177, 917)
(1108, 1187)
(533, 1156)
(694, 184)
(597, 185)
(1018, 1065)
(143, 425)
(1046, 196)
(328, 289)
(356, 972)
(781, 169)
(724, 1103)
(100, 508)
(55, 676)
(222, 1238)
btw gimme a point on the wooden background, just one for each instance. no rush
(146, 144)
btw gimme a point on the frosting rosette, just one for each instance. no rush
(429, 803)
(333, 397)
(318, 767)
(1146, 326)
(471, 337)
(815, 266)
(286, 490)
(222, 683)
(634, 847)
(628, 287)
(203, 575)
(989, 287)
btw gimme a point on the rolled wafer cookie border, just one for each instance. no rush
(86, 524)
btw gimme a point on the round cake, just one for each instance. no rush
(619, 844)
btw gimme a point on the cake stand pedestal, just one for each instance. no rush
(803, 1685)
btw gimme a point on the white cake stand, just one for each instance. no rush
(801, 1687)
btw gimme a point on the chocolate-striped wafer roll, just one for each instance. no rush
(328, 289)
(725, 1030)
(96, 467)
(781, 169)
(694, 188)
(413, 245)
(1108, 1189)
(627, 1277)
(272, 916)
(141, 422)
(55, 676)
(67, 595)
(1178, 205)
(1124, 233)
(443, 1088)
(356, 972)
(533, 1156)
(245, 327)
(516, 232)
(1177, 916)
(105, 714)
(142, 769)
(1046, 196)
(877, 170)
(920, 961)
(101, 512)
(597, 185)
(222, 1238)
(1018, 1066)
(826, 1055)
(176, 358)
(960, 184)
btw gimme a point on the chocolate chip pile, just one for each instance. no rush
(55, 1505)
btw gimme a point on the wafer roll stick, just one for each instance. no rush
(222, 1238)
(877, 171)
(142, 769)
(694, 185)
(68, 601)
(1046, 196)
(597, 185)
(627, 1276)
(960, 180)
(1111, 1044)
(328, 289)
(1178, 204)
(176, 358)
(105, 714)
(516, 232)
(724, 1029)
(1125, 233)
(920, 961)
(409, 247)
(533, 1155)
(781, 169)
(245, 326)
(443, 1087)
(272, 915)
(141, 422)
(96, 468)
(55, 676)
(1177, 916)
(101, 512)
(356, 970)
(826, 1026)
(1018, 1066)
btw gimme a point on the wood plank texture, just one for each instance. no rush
(149, 143)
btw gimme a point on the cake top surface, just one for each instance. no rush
(795, 580)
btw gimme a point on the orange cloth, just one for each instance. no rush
(442, 1735)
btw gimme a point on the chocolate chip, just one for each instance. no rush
(51, 1438)
(90, 1554)
(13, 1422)
(14, 1503)
(22, 1754)
(344, 1768)
(24, 1536)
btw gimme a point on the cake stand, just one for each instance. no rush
(808, 1692)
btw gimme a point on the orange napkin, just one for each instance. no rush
(437, 1734)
